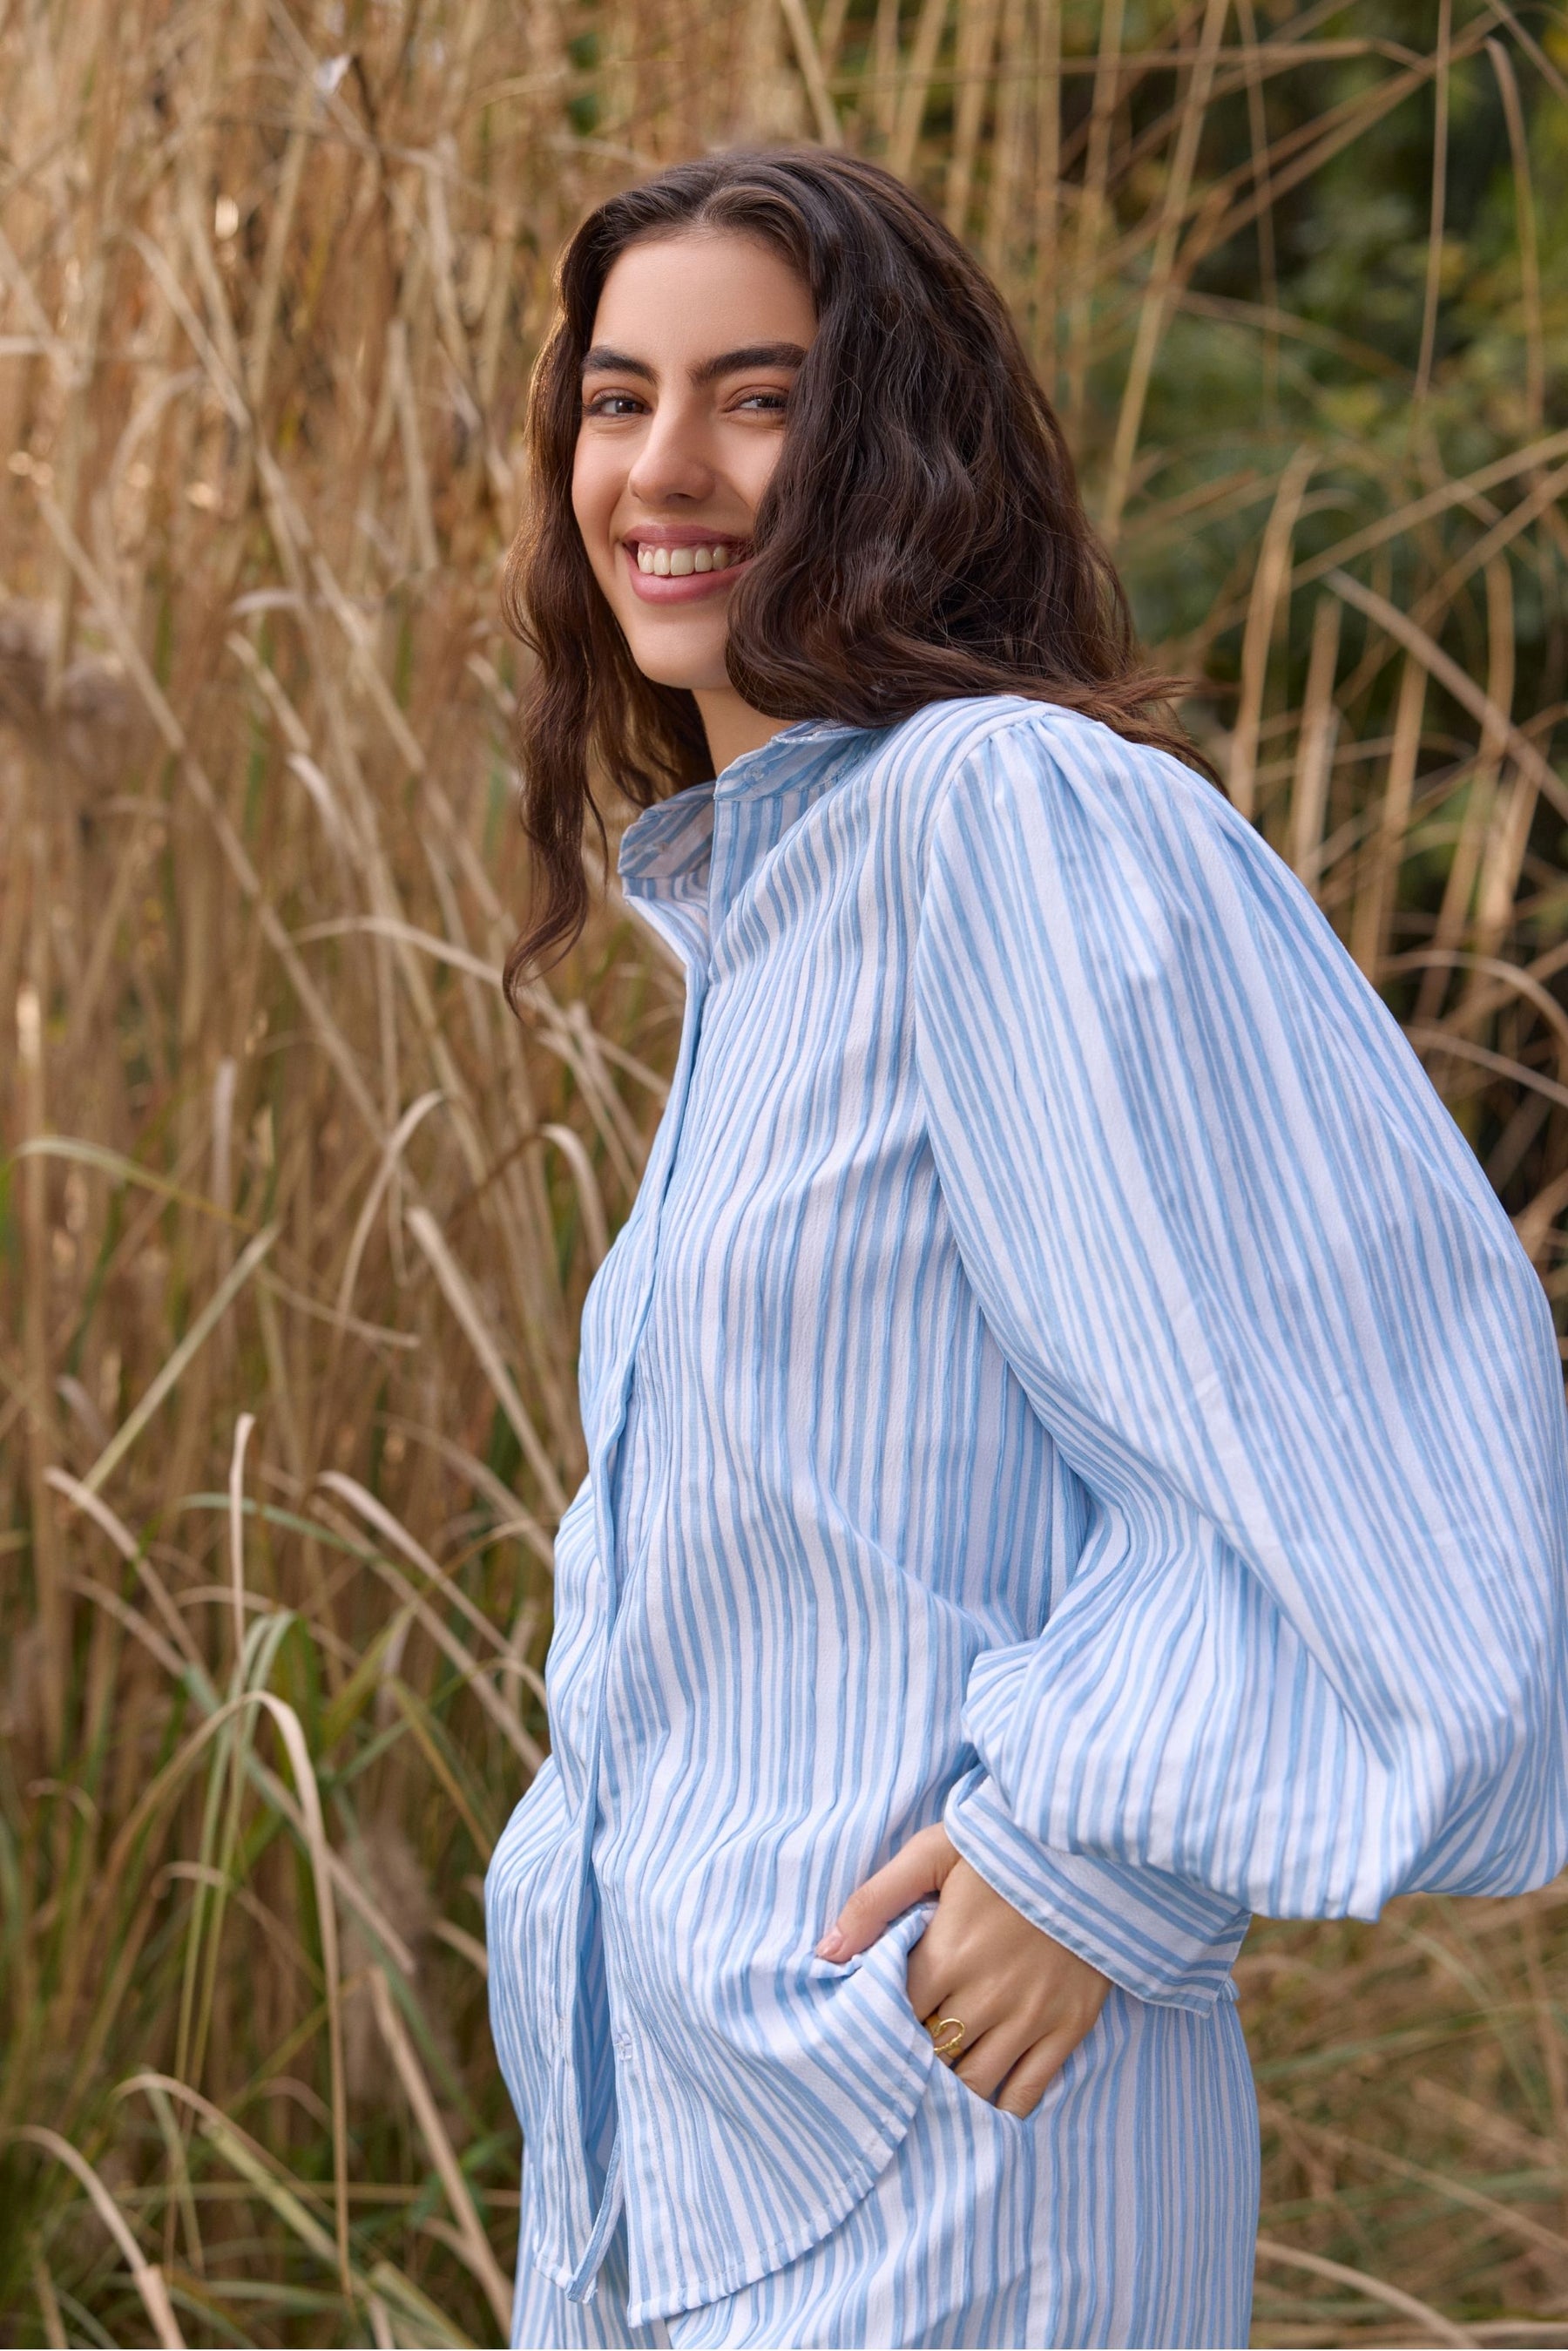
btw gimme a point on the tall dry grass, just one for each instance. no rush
(296, 1223)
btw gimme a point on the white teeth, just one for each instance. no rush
(681, 562)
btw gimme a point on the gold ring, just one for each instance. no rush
(947, 2036)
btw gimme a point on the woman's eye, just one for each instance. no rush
(613, 403)
(766, 404)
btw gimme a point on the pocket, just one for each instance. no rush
(889, 1958)
(950, 2089)
(833, 2053)
(875, 1981)
(885, 1965)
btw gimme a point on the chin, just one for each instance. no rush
(696, 670)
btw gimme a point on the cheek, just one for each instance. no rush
(750, 467)
(595, 487)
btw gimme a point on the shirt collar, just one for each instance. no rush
(665, 851)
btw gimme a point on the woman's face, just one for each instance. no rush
(696, 345)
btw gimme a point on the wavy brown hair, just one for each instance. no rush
(923, 535)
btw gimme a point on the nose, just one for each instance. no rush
(672, 462)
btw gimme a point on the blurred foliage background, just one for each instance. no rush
(295, 1222)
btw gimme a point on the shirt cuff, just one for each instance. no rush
(1160, 1937)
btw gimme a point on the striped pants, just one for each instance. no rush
(1123, 2211)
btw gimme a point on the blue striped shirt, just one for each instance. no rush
(1064, 1374)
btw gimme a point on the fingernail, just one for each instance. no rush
(833, 1945)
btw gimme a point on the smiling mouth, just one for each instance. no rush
(661, 562)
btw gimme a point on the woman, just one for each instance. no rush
(1076, 1453)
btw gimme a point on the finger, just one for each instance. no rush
(983, 2065)
(917, 1869)
(927, 1982)
(935, 1982)
(929, 1978)
(1036, 2071)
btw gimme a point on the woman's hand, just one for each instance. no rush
(1024, 2001)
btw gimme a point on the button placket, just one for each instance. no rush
(743, 829)
(739, 840)
(607, 1477)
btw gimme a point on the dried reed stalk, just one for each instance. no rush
(297, 1223)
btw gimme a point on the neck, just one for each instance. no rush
(732, 725)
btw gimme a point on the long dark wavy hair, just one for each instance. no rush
(923, 535)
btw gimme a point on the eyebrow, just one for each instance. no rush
(602, 361)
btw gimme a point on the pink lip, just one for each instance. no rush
(653, 590)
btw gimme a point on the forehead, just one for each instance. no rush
(677, 300)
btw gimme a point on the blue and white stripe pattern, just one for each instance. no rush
(1126, 2220)
(1064, 1374)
